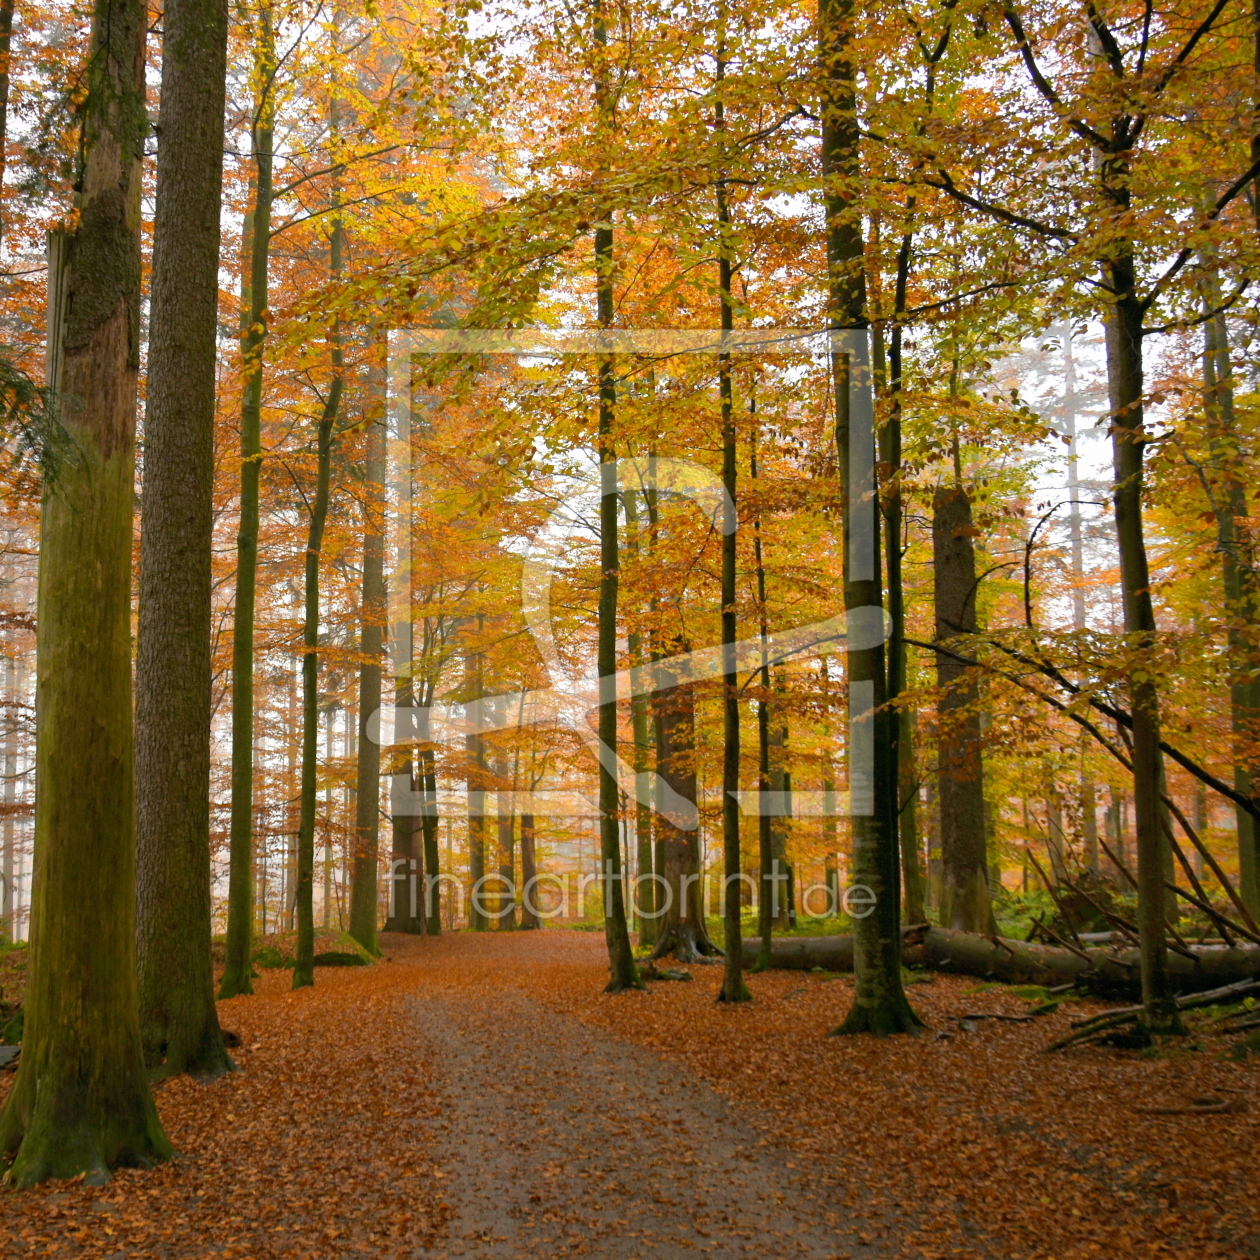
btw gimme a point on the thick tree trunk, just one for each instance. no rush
(367, 797)
(682, 928)
(178, 1020)
(81, 1104)
(1108, 971)
(879, 1003)
(238, 972)
(965, 902)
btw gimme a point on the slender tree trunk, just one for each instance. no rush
(1124, 370)
(623, 974)
(733, 987)
(529, 873)
(404, 821)
(890, 456)
(880, 1004)
(765, 819)
(507, 857)
(965, 901)
(178, 1021)
(304, 955)
(780, 817)
(8, 889)
(238, 972)
(367, 797)
(431, 913)
(476, 747)
(81, 1104)
(645, 898)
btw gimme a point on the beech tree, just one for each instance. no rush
(81, 1103)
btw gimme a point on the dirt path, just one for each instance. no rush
(561, 1141)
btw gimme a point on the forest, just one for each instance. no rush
(629, 629)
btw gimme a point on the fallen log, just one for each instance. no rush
(1108, 971)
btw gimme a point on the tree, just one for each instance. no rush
(363, 883)
(176, 983)
(81, 1104)
(879, 1001)
(238, 973)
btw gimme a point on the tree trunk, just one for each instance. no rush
(623, 974)
(178, 1021)
(529, 873)
(879, 1002)
(645, 899)
(1106, 971)
(476, 793)
(890, 499)
(81, 1104)
(1124, 373)
(304, 954)
(1238, 574)
(965, 902)
(765, 822)
(404, 821)
(733, 987)
(682, 928)
(431, 913)
(507, 856)
(6, 41)
(8, 890)
(238, 972)
(367, 797)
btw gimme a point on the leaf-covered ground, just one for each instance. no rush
(426, 1107)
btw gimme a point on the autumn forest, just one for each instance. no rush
(629, 629)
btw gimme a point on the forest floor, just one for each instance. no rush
(479, 1096)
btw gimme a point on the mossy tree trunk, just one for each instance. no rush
(178, 1021)
(81, 1104)
(238, 972)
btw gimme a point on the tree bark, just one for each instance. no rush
(6, 42)
(476, 748)
(238, 972)
(1234, 541)
(682, 928)
(304, 954)
(81, 1104)
(1106, 971)
(879, 1003)
(623, 974)
(367, 803)
(529, 873)
(965, 902)
(1125, 385)
(178, 1020)
(506, 818)
(733, 987)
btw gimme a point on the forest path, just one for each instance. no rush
(561, 1140)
